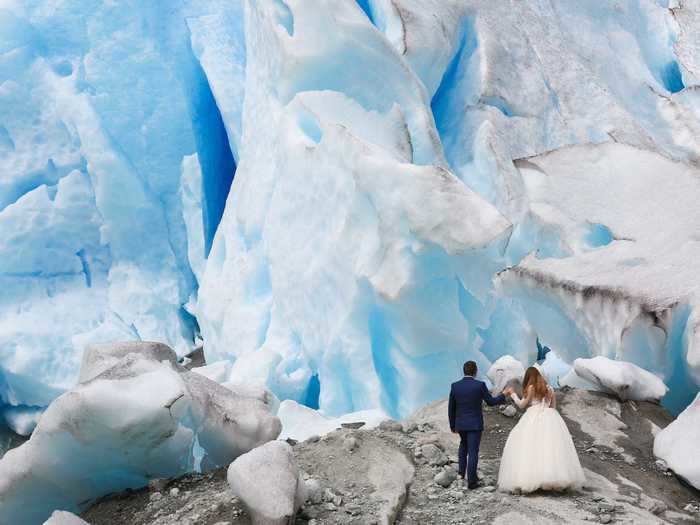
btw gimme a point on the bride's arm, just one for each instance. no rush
(522, 403)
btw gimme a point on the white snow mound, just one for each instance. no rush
(625, 380)
(61, 517)
(679, 444)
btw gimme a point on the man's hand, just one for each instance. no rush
(507, 391)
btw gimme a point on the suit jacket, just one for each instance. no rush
(465, 404)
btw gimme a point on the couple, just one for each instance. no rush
(539, 453)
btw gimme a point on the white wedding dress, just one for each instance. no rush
(539, 453)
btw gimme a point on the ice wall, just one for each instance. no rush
(101, 105)
(412, 183)
(339, 257)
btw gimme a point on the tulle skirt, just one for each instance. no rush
(540, 454)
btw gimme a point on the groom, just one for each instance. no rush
(467, 419)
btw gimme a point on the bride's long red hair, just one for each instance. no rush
(534, 378)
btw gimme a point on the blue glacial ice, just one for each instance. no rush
(346, 202)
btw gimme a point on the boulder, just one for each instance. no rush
(268, 482)
(229, 423)
(433, 455)
(445, 477)
(506, 371)
(623, 379)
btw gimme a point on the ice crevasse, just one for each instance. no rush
(412, 183)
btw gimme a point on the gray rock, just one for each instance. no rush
(174, 491)
(268, 483)
(354, 425)
(314, 491)
(350, 443)
(661, 465)
(509, 411)
(313, 439)
(157, 485)
(604, 506)
(433, 455)
(658, 507)
(445, 477)
(605, 518)
(489, 488)
(690, 507)
(389, 425)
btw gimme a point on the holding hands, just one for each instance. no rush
(508, 391)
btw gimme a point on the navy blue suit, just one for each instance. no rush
(467, 418)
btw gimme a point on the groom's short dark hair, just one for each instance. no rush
(470, 368)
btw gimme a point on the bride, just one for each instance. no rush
(539, 453)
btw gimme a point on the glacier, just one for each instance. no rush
(346, 202)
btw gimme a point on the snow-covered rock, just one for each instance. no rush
(679, 444)
(506, 371)
(100, 357)
(138, 419)
(269, 483)
(625, 380)
(228, 424)
(61, 517)
(300, 422)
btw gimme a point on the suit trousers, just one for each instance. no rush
(469, 448)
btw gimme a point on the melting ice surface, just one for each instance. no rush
(347, 201)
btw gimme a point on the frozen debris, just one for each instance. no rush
(625, 380)
(268, 483)
(506, 371)
(677, 444)
(137, 420)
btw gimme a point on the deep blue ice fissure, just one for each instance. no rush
(215, 156)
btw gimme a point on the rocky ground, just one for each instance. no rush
(403, 473)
